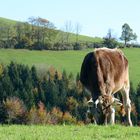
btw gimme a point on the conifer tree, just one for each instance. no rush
(6, 87)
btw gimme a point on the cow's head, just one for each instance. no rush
(99, 107)
(107, 100)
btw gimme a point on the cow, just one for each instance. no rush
(105, 72)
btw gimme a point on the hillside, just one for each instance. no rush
(68, 60)
(7, 22)
(81, 38)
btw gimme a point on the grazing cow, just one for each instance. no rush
(105, 72)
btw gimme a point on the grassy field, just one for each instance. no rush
(69, 132)
(68, 60)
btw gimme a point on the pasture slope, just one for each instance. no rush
(68, 60)
(68, 132)
(4, 22)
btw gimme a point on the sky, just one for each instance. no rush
(95, 17)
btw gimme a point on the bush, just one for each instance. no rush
(90, 45)
(32, 116)
(38, 116)
(62, 46)
(98, 45)
(56, 116)
(72, 103)
(68, 118)
(15, 109)
(135, 45)
(77, 46)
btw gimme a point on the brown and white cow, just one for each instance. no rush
(105, 72)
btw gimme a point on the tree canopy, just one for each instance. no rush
(127, 34)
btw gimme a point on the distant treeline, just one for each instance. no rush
(41, 34)
(28, 96)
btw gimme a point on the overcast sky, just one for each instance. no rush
(95, 16)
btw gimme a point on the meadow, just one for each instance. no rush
(68, 132)
(69, 60)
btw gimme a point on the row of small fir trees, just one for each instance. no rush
(29, 97)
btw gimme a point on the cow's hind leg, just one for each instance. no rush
(127, 103)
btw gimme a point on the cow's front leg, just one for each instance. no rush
(106, 118)
(112, 115)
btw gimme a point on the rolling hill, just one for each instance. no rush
(81, 38)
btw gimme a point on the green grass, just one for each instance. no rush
(68, 60)
(133, 56)
(68, 132)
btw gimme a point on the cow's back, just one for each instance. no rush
(112, 68)
(102, 68)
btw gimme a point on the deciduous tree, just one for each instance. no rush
(127, 34)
